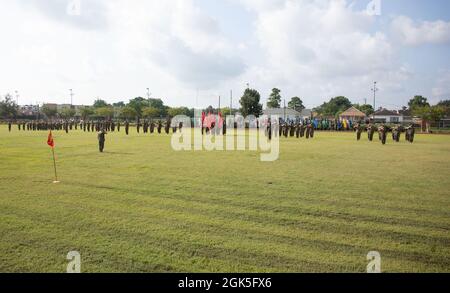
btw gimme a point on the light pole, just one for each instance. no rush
(375, 89)
(17, 97)
(71, 97)
(231, 102)
(148, 96)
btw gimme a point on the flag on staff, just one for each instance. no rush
(50, 140)
(51, 143)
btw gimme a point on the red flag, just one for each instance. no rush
(50, 140)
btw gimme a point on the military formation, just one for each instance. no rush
(383, 131)
(298, 129)
(280, 128)
(90, 126)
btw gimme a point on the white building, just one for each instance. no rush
(288, 113)
(387, 116)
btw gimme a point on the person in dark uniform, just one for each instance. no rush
(410, 131)
(167, 127)
(145, 128)
(302, 130)
(9, 126)
(382, 133)
(396, 131)
(309, 131)
(285, 129)
(359, 129)
(280, 128)
(152, 126)
(291, 129)
(159, 126)
(118, 126)
(127, 126)
(370, 131)
(224, 127)
(101, 140)
(269, 128)
(138, 125)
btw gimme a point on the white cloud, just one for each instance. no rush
(414, 33)
(441, 89)
(317, 49)
(116, 49)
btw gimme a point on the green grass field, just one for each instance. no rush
(141, 207)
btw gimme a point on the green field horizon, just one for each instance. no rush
(142, 207)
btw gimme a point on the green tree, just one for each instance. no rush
(334, 106)
(296, 103)
(274, 100)
(8, 108)
(429, 113)
(100, 103)
(437, 112)
(86, 112)
(366, 108)
(210, 109)
(105, 112)
(172, 112)
(418, 101)
(138, 104)
(250, 103)
(119, 104)
(49, 111)
(67, 113)
(128, 112)
(151, 112)
(227, 111)
(446, 105)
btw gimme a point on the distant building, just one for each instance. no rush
(28, 110)
(387, 116)
(353, 114)
(288, 113)
(407, 116)
(51, 106)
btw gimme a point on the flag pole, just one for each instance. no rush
(54, 166)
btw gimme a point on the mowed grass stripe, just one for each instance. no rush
(141, 177)
(315, 241)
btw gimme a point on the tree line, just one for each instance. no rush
(250, 104)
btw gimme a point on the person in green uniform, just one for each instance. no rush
(127, 126)
(101, 140)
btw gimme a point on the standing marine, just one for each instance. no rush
(101, 139)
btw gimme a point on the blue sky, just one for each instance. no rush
(314, 49)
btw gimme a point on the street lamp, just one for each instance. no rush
(71, 97)
(375, 89)
(148, 96)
